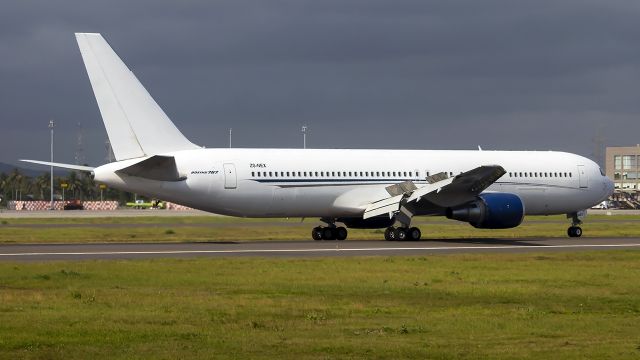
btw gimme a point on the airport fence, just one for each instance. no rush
(59, 205)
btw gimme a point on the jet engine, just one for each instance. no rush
(490, 211)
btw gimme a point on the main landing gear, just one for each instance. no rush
(329, 233)
(402, 233)
(576, 219)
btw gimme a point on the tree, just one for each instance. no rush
(4, 186)
(41, 183)
(14, 181)
(75, 184)
(88, 185)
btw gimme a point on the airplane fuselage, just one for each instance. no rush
(341, 183)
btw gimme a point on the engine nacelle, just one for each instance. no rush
(491, 211)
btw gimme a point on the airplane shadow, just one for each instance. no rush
(483, 241)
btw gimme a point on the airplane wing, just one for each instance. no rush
(440, 190)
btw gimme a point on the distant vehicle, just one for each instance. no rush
(141, 204)
(74, 205)
(602, 206)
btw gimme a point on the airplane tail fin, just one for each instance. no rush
(135, 124)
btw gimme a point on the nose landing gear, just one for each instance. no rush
(576, 219)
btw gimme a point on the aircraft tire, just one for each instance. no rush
(414, 234)
(389, 234)
(574, 231)
(341, 233)
(316, 233)
(328, 234)
(400, 234)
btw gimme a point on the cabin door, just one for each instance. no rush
(583, 178)
(230, 178)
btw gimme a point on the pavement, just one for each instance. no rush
(306, 248)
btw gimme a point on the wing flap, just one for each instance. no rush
(386, 206)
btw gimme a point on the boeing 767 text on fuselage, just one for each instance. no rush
(357, 188)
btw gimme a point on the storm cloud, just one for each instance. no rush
(515, 75)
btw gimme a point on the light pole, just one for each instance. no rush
(304, 136)
(51, 126)
(230, 129)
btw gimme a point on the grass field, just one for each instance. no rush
(205, 228)
(560, 305)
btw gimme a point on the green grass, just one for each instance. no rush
(200, 228)
(556, 305)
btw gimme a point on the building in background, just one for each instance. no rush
(622, 166)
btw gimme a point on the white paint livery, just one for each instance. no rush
(347, 186)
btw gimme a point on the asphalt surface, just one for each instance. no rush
(307, 248)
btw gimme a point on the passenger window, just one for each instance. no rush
(565, 174)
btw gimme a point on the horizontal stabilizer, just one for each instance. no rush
(60, 165)
(157, 167)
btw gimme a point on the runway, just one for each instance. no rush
(307, 248)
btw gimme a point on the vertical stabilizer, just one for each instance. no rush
(136, 125)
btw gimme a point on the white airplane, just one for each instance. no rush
(358, 188)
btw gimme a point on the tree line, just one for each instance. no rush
(15, 185)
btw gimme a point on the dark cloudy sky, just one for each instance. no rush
(530, 75)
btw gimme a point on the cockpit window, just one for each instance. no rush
(602, 172)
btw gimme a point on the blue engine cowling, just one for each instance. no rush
(491, 211)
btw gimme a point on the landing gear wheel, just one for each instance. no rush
(400, 234)
(328, 234)
(316, 233)
(574, 231)
(414, 234)
(389, 234)
(341, 233)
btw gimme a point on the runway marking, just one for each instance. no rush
(177, 252)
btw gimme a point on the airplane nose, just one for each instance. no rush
(609, 186)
